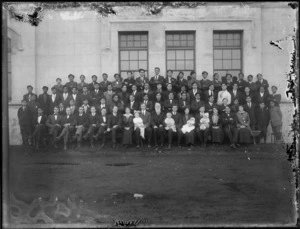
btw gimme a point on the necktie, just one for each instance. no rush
(143, 112)
(68, 117)
(183, 103)
(61, 109)
(96, 91)
(55, 116)
(171, 101)
(29, 97)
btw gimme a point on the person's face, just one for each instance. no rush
(216, 76)
(236, 102)
(109, 87)
(171, 96)
(202, 109)
(102, 101)
(198, 97)
(143, 107)
(68, 111)
(228, 77)
(262, 105)
(215, 110)
(169, 115)
(117, 77)
(93, 110)
(194, 86)
(227, 110)
(65, 90)
(241, 76)
(224, 87)
(133, 87)
(61, 105)
(193, 76)
(55, 110)
(80, 110)
(82, 78)
(262, 89)
(248, 99)
(186, 111)
(183, 88)
(127, 110)
(146, 97)
(58, 81)
(29, 89)
(169, 74)
(157, 106)
(85, 102)
(158, 86)
(183, 96)
(211, 99)
(274, 90)
(174, 108)
(211, 87)
(180, 75)
(71, 102)
(71, 78)
(146, 86)
(84, 89)
(241, 108)
(103, 111)
(54, 91)
(247, 90)
(204, 75)
(74, 90)
(124, 88)
(272, 104)
(169, 87)
(250, 78)
(116, 98)
(158, 96)
(136, 114)
(104, 77)
(97, 86)
(131, 98)
(129, 75)
(235, 87)
(156, 70)
(40, 111)
(225, 101)
(115, 109)
(142, 73)
(94, 79)
(259, 77)
(45, 90)
(24, 103)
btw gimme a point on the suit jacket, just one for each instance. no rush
(138, 96)
(129, 83)
(108, 97)
(165, 95)
(51, 120)
(91, 86)
(93, 119)
(96, 97)
(140, 82)
(98, 108)
(205, 84)
(114, 120)
(33, 107)
(264, 84)
(135, 106)
(275, 116)
(65, 101)
(153, 82)
(217, 85)
(77, 100)
(127, 122)
(228, 120)
(24, 116)
(149, 106)
(264, 98)
(66, 120)
(124, 96)
(45, 104)
(104, 84)
(70, 85)
(74, 110)
(253, 86)
(276, 98)
(178, 120)
(101, 120)
(117, 85)
(242, 119)
(156, 119)
(149, 93)
(244, 96)
(192, 95)
(262, 118)
(172, 81)
(146, 118)
(55, 103)
(120, 106)
(26, 96)
(182, 106)
(168, 105)
(81, 85)
(61, 112)
(206, 95)
(190, 84)
(42, 122)
(198, 117)
(237, 96)
(87, 96)
(241, 85)
(195, 106)
(209, 108)
(81, 120)
(87, 111)
(229, 84)
(182, 82)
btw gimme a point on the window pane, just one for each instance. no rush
(137, 37)
(189, 54)
(124, 65)
(134, 65)
(190, 43)
(137, 44)
(226, 64)
(189, 64)
(144, 37)
(218, 64)
(176, 37)
(183, 37)
(133, 55)
(123, 37)
(222, 42)
(123, 43)
(142, 55)
(179, 65)
(236, 64)
(124, 75)
(223, 36)
(130, 37)
(216, 36)
(176, 43)
(227, 54)
(170, 64)
(236, 42)
(236, 54)
(183, 43)
(216, 42)
(180, 54)
(229, 42)
(218, 54)
(170, 43)
(143, 64)
(130, 44)
(237, 36)
(170, 55)
(124, 55)
(190, 37)
(169, 37)
(229, 36)
(143, 43)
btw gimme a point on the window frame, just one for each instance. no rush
(240, 47)
(120, 33)
(9, 68)
(193, 48)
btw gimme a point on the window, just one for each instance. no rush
(227, 52)
(180, 52)
(133, 52)
(9, 68)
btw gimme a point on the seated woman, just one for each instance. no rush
(243, 126)
(276, 120)
(216, 127)
(188, 128)
(127, 127)
(235, 106)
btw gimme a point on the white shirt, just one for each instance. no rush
(194, 91)
(53, 97)
(39, 119)
(210, 92)
(261, 94)
(93, 114)
(104, 119)
(65, 96)
(96, 91)
(102, 105)
(131, 104)
(234, 92)
(74, 96)
(55, 117)
(249, 105)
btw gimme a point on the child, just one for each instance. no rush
(189, 126)
(170, 122)
(138, 123)
(204, 122)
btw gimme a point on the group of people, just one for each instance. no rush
(152, 110)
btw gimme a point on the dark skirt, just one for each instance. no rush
(217, 135)
(190, 137)
(127, 136)
(244, 135)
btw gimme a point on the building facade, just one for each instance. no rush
(214, 38)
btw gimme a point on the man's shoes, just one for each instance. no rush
(138, 146)
(169, 146)
(233, 146)
(237, 145)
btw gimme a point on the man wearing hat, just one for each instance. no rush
(71, 84)
(27, 97)
(44, 100)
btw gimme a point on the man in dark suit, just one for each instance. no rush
(61, 109)
(157, 124)
(148, 103)
(141, 80)
(86, 107)
(204, 83)
(235, 94)
(67, 123)
(75, 96)
(93, 125)
(27, 97)
(229, 127)
(39, 123)
(210, 92)
(194, 91)
(54, 100)
(170, 102)
(24, 116)
(96, 95)
(178, 123)
(146, 117)
(114, 124)
(181, 81)
(183, 103)
(263, 96)
(262, 82)
(166, 93)
(156, 79)
(71, 84)
(132, 104)
(54, 124)
(262, 121)
(170, 80)
(210, 105)
(252, 85)
(250, 108)
(196, 104)
(102, 125)
(129, 81)
(81, 84)
(104, 83)
(124, 95)
(85, 94)
(148, 91)
(65, 96)
(103, 104)
(137, 94)
(44, 100)
(241, 83)
(91, 86)
(81, 125)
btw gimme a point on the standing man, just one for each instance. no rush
(54, 100)
(81, 84)
(195, 90)
(157, 123)
(250, 108)
(39, 123)
(85, 95)
(140, 81)
(170, 80)
(71, 84)
(44, 100)
(224, 94)
(205, 83)
(96, 95)
(75, 96)
(54, 124)
(262, 82)
(241, 83)
(104, 83)
(103, 125)
(65, 97)
(181, 81)
(170, 102)
(92, 84)
(129, 81)
(24, 117)
(27, 97)
(117, 84)
(228, 120)
(156, 79)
